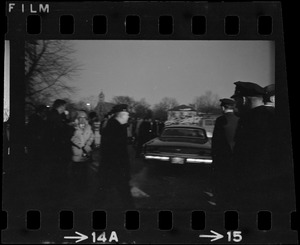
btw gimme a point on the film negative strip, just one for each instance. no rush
(146, 122)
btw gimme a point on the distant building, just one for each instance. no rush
(208, 123)
(188, 115)
(102, 107)
(182, 114)
(182, 111)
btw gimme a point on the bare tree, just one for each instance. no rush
(141, 108)
(160, 110)
(207, 103)
(48, 66)
(129, 101)
(168, 103)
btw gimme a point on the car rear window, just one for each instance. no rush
(184, 132)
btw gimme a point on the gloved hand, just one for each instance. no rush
(87, 149)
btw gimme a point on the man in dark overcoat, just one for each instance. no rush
(222, 150)
(58, 133)
(256, 155)
(58, 149)
(115, 164)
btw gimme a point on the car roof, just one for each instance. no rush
(184, 126)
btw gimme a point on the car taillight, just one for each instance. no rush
(209, 134)
(193, 160)
(157, 158)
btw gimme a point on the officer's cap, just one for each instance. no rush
(270, 90)
(247, 89)
(119, 108)
(226, 101)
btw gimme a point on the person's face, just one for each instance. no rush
(82, 119)
(223, 108)
(240, 106)
(124, 116)
(61, 109)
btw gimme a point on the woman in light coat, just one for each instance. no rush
(82, 139)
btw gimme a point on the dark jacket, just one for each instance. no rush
(223, 141)
(36, 129)
(58, 135)
(145, 132)
(115, 157)
(36, 132)
(254, 146)
(222, 153)
(256, 164)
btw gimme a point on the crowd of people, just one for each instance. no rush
(47, 126)
(67, 144)
(247, 168)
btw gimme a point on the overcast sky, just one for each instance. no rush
(179, 69)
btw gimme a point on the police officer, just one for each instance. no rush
(115, 165)
(254, 155)
(222, 149)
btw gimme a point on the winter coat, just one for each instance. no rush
(81, 143)
(223, 142)
(259, 170)
(57, 137)
(115, 157)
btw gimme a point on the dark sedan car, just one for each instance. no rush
(179, 144)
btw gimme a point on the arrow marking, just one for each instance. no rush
(80, 236)
(215, 237)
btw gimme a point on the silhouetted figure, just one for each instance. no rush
(144, 135)
(95, 124)
(58, 146)
(104, 122)
(130, 131)
(259, 172)
(222, 151)
(161, 126)
(115, 166)
(36, 132)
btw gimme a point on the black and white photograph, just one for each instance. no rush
(144, 125)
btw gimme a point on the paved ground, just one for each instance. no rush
(167, 186)
(175, 187)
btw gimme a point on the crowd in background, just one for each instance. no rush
(67, 146)
(51, 133)
(245, 145)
